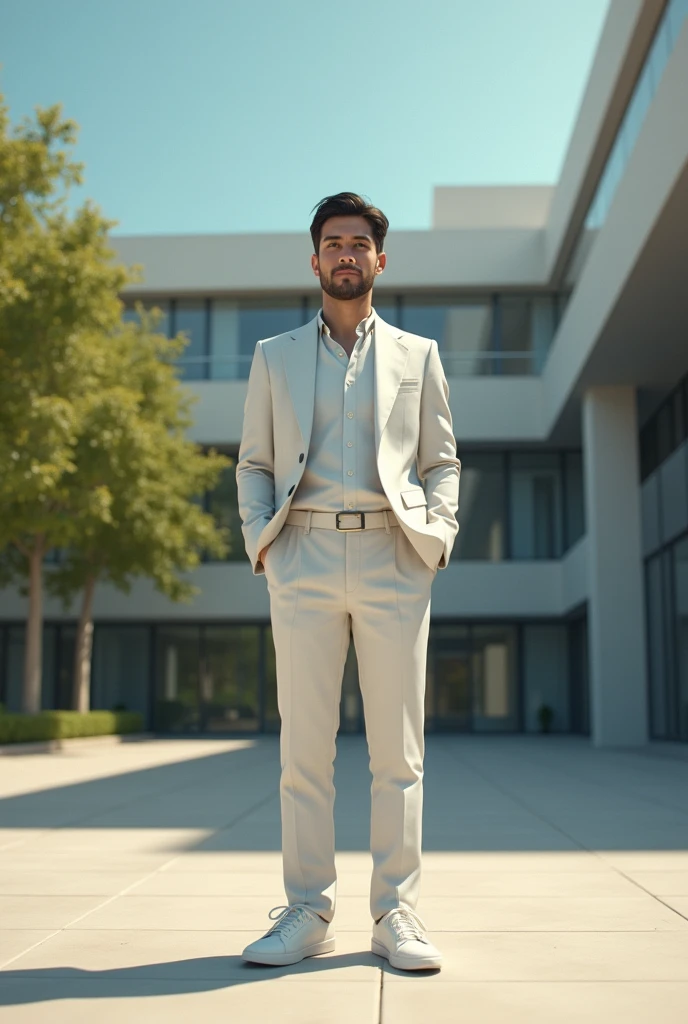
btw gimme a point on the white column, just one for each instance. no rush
(616, 626)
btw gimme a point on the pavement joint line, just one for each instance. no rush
(381, 996)
(128, 888)
(586, 780)
(81, 917)
(357, 930)
(521, 802)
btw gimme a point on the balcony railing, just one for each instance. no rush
(456, 364)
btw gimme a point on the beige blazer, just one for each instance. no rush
(414, 441)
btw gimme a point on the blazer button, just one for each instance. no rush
(301, 457)
(291, 489)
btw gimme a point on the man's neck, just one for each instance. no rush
(343, 317)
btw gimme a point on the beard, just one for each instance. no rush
(347, 288)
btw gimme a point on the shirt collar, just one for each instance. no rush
(364, 328)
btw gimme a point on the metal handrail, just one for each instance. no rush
(490, 358)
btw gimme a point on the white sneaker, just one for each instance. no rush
(298, 932)
(401, 937)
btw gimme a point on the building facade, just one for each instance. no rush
(561, 316)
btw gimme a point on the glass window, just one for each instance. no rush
(659, 715)
(676, 14)
(229, 679)
(190, 317)
(678, 417)
(543, 327)
(385, 306)
(481, 515)
(575, 501)
(462, 330)
(659, 52)
(680, 555)
(238, 324)
(545, 665)
(228, 362)
(350, 701)
(129, 314)
(579, 678)
(177, 683)
(223, 505)
(665, 432)
(14, 667)
(536, 506)
(448, 689)
(50, 654)
(514, 335)
(120, 670)
(494, 679)
(649, 458)
(638, 107)
(64, 659)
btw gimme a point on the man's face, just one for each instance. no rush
(347, 263)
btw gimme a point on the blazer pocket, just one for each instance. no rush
(414, 498)
(409, 384)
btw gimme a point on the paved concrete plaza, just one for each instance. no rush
(555, 883)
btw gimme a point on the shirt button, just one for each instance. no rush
(350, 415)
(340, 353)
(349, 444)
(350, 472)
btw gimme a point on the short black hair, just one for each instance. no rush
(348, 204)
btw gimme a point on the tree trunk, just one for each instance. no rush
(81, 690)
(33, 651)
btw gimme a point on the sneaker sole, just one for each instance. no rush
(284, 959)
(402, 963)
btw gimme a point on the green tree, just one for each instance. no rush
(131, 446)
(66, 423)
(57, 280)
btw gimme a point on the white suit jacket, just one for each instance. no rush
(414, 440)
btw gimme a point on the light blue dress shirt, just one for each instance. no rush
(341, 470)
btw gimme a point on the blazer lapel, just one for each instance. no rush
(299, 354)
(391, 356)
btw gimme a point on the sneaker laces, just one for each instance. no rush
(288, 918)
(406, 924)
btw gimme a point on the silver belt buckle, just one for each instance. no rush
(347, 529)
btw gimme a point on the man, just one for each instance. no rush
(348, 486)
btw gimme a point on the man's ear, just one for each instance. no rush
(315, 266)
(381, 262)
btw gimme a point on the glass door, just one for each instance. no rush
(351, 703)
(230, 671)
(451, 685)
(177, 683)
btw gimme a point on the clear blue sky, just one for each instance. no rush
(217, 116)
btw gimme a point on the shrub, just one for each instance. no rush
(62, 725)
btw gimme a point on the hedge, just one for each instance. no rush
(62, 725)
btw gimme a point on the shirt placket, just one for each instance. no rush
(349, 478)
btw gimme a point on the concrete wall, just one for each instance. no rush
(656, 164)
(483, 409)
(217, 264)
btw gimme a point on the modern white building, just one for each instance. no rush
(561, 313)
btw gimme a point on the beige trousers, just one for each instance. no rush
(323, 586)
